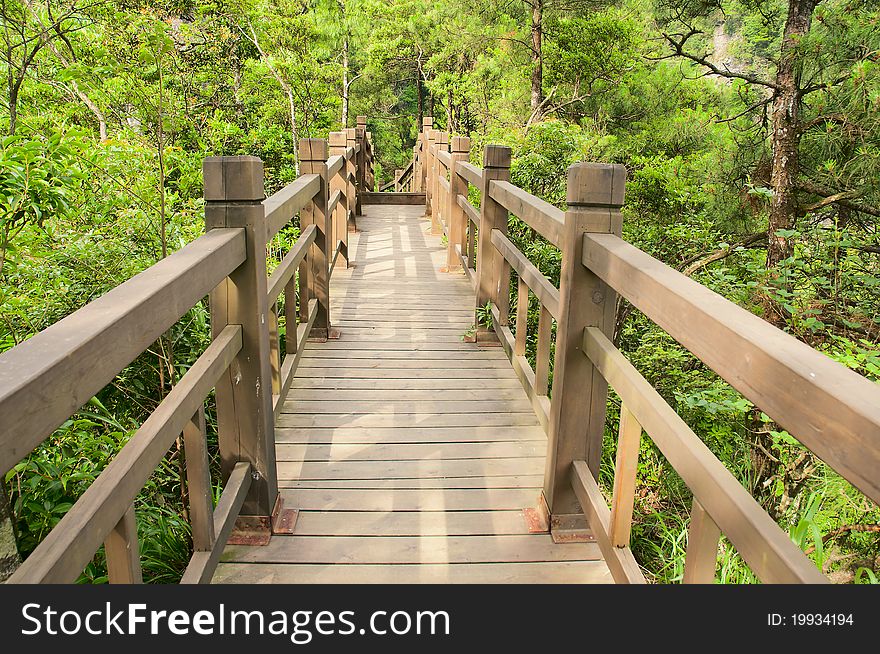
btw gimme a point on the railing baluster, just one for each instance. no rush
(351, 192)
(234, 194)
(424, 155)
(702, 548)
(493, 271)
(122, 551)
(198, 483)
(430, 137)
(522, 318)
(313, 159)
(361, 167)
(628, 440)
(577, 416)
(457, 222)
(542, 357)
(274, 349)
(340, 214)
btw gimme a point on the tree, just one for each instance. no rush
(808, 63)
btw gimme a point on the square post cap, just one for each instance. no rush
(596, 184)
(233, 179)
(496, 156)
(313, 150)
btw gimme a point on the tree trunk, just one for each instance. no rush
(419, 99)
(345, 82)
(785, 137)
(9, 559)
(450, 114)
(537, 57)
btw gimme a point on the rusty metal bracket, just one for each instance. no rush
(570, 528)
(537, 518)
(257, 530)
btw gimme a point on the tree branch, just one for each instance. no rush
(703, 60)
(692, 265)
(808, 186)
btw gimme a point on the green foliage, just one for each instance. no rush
(179, 82)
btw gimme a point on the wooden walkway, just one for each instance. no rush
(409, 453)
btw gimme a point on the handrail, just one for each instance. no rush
(541, 216)
(536, 281)
(795, 385)
(473, 174)
(287, 268)
(444, 158)
(398, 180)
(51, 375)
(46, 379)
(283, 205)
(334, 200)
(770, 553)
(471, 212)
(334, 164)
(753, 356)
(72, 543)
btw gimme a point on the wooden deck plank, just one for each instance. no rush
(569, 572)
(412, 549)
(373, 407)
(409, 453)
(402, 395)
(410, 523)
(403, 500)
(398, 363)
(511, 481)
(403, 384)
(424, 469)
(438, 374)
(407, 420)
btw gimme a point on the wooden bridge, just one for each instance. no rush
(379, 428)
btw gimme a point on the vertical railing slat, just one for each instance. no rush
(626, 464)
(198, 483)
(542, 356)
(702, 549)
(122, 551)
(522, 318)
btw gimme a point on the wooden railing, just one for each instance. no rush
(832, 410)
(49, 377)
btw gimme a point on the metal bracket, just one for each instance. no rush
(570, 528)
(257, 531)
(538, 518)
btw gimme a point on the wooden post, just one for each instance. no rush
(413, 180)
(438, 215)
(313, 159)
(370, 177)
(351, 167)
(456, 225)
(340, 214)
(493, 271)
(427, 125)
(245, 422)
(361, 138)
(397, 173)
(577, 410)
(430, 139)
